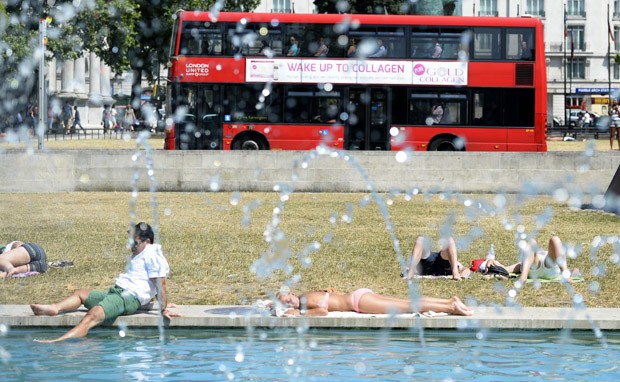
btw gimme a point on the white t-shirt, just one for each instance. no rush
(8, 247)
(140, 269)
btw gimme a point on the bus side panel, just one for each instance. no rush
(540, 82)
(207, 69)
(520, 139)
(418, 138)
(288, 137)
(491, 74)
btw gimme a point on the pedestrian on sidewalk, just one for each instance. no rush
(77, 121)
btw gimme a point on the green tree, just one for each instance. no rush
(18, 41)
(420, 7)
(125, 34)
(154, 30)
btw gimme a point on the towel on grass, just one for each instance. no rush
(25, 274)
(557, 279)
(430, 313)
(438, 277)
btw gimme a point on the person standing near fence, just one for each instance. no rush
(614, 124)
(67, 114)
(77, 121)
(106, 119)
(130, 118)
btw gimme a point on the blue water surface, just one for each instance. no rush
(313, 355)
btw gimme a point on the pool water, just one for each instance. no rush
(289, 354)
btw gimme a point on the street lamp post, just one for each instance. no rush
(42, 93)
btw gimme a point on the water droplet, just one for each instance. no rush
(401, 157)
(360, 368)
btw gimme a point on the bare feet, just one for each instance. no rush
(459, 308)
(43, 310)
(465, 273)
(45, 341)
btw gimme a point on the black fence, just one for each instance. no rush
(578, 133)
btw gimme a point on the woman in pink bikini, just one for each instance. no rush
(364, 300)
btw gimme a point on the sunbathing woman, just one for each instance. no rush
(364, 300)
(18, 257)
(548, 264)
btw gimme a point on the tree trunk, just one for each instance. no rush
(136, 89)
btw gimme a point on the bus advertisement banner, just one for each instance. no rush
(357, 71)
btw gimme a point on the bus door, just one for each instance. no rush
(369, 118)
(209, 122)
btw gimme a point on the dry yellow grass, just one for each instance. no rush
(212, 241)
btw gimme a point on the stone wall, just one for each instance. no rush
(188, 171)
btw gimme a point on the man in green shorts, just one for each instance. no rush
(144, 276)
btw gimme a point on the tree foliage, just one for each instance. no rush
(420, 7)
(125, 34)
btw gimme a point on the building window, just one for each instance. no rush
(617, 71)
(575, 8)
(488, 8)
(535, 8)
(616, 10)
(616, 38)
(576, 68)
(575, 38)
(282, 6)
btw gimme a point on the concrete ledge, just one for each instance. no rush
(209, 316)
(190, 171)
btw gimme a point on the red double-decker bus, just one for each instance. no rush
(356, 82)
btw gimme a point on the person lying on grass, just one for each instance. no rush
(541, 264)
(443, 263)
(364, 300)
(19, 257)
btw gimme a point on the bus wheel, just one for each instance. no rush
(249, 143)
(443, 144)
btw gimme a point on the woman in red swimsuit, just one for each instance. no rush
(364, 300)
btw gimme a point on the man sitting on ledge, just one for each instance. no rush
(145, 276)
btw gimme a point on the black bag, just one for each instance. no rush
(496, 270)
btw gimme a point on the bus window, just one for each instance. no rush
(455, 107)
(308, 104)
(434, 44)
(437, 108)
(486, 105)
(248, 103)
(393, 40)
(263, 40)
(425, 109)
(322, 41)
(519, 113)
(487, 44)
(425, 44)
(399, 108)
(520, 44)
(493, 107)
(367, 43)
(201, 39)
(296, 41)
(453, 42)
